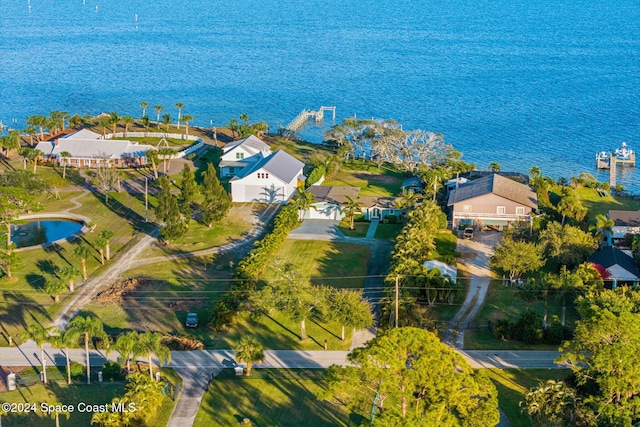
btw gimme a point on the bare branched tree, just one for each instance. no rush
(107, 177)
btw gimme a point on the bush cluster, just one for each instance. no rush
(252, 266)
(530, 330)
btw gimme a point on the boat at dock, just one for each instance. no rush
(623, 156)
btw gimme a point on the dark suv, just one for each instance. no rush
(467, 233)
(192, 320)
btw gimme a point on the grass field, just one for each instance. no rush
(271, 398)
(383, 182)
(359, 228)
(513, 384)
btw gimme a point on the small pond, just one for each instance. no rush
(40, 231)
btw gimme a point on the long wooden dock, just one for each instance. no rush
(305, 115)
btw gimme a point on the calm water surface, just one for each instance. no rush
(536, 82)
(42, 231)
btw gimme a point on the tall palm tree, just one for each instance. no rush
(107, 235)
(249, 351)
(186, 118)
(303, 201)
(64, 340)
(166, 120)
(39, 122)
(64, 156)
(149, 344)
(54, 288)
(76, 121)
(100, 244)
(82, 252)
(69, 274)
(152, 155)
(41, 336)
(158, 108)
(125, 345)
(144, 105)
(89, 328)
(127, 120)
(114, 119)
(55, 415)
(179, 106)
(31, 132)
(166, 154)
(602, 227)
(11, 141)
(32, 155)
(494, 167)
(351, 208)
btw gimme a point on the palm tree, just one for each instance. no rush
(179, 106)
(158, 108)
(89, 328)
(127, 120)
(82, 252)
(186, 118)
(149, 344)
(39, 122)
(249, 351)
(166, 120)
(100, 244)
(64, 340)
(76, 121)
(494, 167)
(64, 156)
(31, 131)
(152, 155)
(55, 415)
(125, 345)
(408, 200)
(167, 154)
(144, 105)
(54, 288)
(33, 155)
(303, 201)
(602, 227)
(351, 208)
(41, 336)
(107, 235)
(114, 119)
(11, 141)
(69, 274)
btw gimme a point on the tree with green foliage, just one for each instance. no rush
(217, 201)
(351, 208)
(303, 201)
(186, 118)
(166, 154)
(8, 259)
(89, 328)
(128, 121)
(179, 106)
(41, 336)
(164, 195)
(39, 122)
(100, 245)
(249, 351)
(106, 236)
(76, 121)
(56, 409)
(69, 274)
(150, 344)
(517, 258)
(64, 156)
(64, 340)
(350, 309)
(174, 225)
(158, 109)
(602, 227)
(603, 356)
(126, 345)
(153, 156)
(494, 167)
(33, 155)
(405, 376)
(106, 176)
(114, 120)
(10, 142)
(571, 206)
(188, 190)
(550, 404)
(567, 245)
(54, 287)
(82, 252)
(144, 105)
(14, 201)
(619, 300)
(167, 120)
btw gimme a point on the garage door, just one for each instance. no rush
(324, 211)
(258, 193)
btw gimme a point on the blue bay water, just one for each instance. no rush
(538, 82)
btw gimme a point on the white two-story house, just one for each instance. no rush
(237, 155)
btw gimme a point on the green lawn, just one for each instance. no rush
(359, 228)
(388, 231)
(513, 384)
(305, 151)
(445, 246)
(342, 265)
(271, 398)
(503, 302)
(601, 205)
(383, 182)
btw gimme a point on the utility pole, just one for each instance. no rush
(397, 280)
(146, 200)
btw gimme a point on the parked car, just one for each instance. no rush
(467, 233)
(192, 320)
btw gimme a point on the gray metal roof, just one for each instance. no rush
(336, 195)
(280, 164)
(252, 142)
(498, 185)
(92, 148)
(625, 218)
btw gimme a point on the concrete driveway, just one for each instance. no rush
(317, 229)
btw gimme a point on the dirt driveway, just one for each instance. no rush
(475, 255)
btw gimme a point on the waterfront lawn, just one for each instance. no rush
(373, 181)
(601, 205)
(513, 384)
(503, 302)
(342, 265)
(271, 397)
(445, 251)
(303, 150)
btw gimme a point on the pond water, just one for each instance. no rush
(38, 232)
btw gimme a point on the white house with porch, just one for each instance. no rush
(271, 179)
(237, 155)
